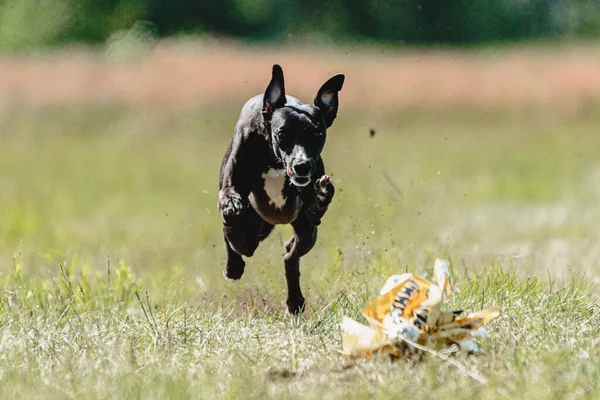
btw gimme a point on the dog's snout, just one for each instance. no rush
(302, 168)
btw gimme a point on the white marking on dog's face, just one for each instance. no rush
(274, 181)
(300, 154)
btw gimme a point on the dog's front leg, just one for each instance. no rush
(231, 203)
(241, 226)
(235, 178)
(317, 202)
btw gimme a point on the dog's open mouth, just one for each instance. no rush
(299, 181)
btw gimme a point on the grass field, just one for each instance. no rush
(111, 253)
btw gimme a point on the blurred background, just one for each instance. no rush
(33, 23)
(467, 129)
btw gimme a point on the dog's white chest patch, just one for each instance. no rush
(274, 181)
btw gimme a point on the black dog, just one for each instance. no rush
(266, 177)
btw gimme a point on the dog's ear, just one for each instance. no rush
(275, 93)
(327, 98)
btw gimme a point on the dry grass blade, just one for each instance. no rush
(392, 184)
(461, 367)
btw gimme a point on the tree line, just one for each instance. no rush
(40, 23)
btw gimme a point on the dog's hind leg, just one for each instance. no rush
(266, 231)
(242, 239)
(304, 239)
(289, 244)
(235, 264)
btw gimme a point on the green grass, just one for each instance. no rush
(111, 256)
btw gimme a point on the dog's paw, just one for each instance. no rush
(230, 203)
(234, 269)
(295, 305)
(324, 190)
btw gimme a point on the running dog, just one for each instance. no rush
(272, 173)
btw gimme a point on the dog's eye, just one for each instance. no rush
(318, 133)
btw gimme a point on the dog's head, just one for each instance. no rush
(298, 132)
